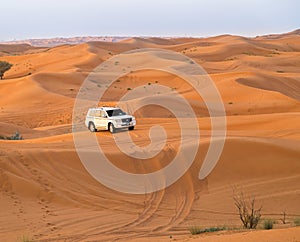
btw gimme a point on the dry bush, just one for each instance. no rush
(249, 215)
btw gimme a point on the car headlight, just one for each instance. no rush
(118, 121)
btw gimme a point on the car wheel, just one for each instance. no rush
(131, 128)
(92, 127)
(111, 128)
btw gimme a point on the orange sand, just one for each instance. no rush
(45, 192)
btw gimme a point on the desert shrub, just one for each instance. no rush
(268, 224)
(194, 230)
(197, 230)
(3, 137)
(16, 136)
(283, 219)
(25, 239)
(249, 215)
(4, 67)
(248, 53)
(297, 221)
(129, 89)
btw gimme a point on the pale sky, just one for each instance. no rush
(24, 19)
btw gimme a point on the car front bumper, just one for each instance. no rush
(125, 124)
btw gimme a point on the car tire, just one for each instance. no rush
(111, 128)
(92, 127)
(131, 128)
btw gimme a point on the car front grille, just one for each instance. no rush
(126, 120)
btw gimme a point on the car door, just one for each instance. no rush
(101, 119)
(89, 117)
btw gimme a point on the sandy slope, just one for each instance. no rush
(47, 194)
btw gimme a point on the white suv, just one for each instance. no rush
(108, 118)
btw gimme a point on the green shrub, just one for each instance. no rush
(16, 136)
(297, 221)
(4, 67)
(268, 224)
(25, 239)
(197, 230)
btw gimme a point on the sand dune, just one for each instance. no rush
(19, 49)
(47, 195)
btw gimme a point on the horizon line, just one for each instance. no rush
(145, 36)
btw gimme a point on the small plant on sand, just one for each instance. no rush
(4, 67)
(230, 58)
(297, 221)
(283, 219)
(268, 224)
(24, 239)
(3, 137)
(248, 53)
(129, 88)
(249, 214)
(197, 230)
(194, 230)
(16, 136)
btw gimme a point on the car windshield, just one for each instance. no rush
(115, 112)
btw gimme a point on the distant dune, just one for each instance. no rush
(63, 41)
(46, 193)
(51, 42)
